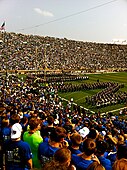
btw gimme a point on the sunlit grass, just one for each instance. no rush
(79, 96)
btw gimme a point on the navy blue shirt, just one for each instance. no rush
(46, 152)
(6, 133)
(106, 163)
(74, 151)
(17, 155)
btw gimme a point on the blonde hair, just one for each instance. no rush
(76, 139)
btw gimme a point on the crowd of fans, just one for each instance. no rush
(39, 132)
(31, 52)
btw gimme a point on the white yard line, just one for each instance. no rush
(113, 110)
(76, 104)
(91, 110)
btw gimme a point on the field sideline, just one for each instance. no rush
(79, 96)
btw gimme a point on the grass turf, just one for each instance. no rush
(79, 96)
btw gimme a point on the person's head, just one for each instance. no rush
(50, 120)
(93, 134)
(15, 118)
(114, 132)
(5, 122)
(122, 152)
(34, 124)
(100, 137)
(120, 140)
(120, 164)
(112, 140)
(63, 156)
(76, 139)
(89, 147)
(58, 134)
(95, 166)
(16, 131)
(101, 147)
(61, 160)
(24, 120)
(68, 128)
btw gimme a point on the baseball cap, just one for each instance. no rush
(84, 132)
(103, 133)
(16, 131)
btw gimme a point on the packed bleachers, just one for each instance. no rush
(55, 136)
(27, 52)
(37, 130)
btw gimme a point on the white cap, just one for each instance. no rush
(84, 132)
(103, 133)
(16, 131)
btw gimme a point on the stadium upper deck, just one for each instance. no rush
(30, 52)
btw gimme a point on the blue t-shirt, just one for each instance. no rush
(17, 155)
(112, 157)
(6, 133)
(105, 162)
(74, 151)
(80, 163)
(46, 152)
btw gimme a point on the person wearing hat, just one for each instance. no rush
(18, 155)
(84, 132)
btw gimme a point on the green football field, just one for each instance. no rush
(79, 96)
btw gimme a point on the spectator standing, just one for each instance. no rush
(76, 140)
(101, 149)
(6, 130)
(83, 160)
(121, 162)
(61, 161)
(33, 138)
(18, 154)
(47, 149)
(15, 118)
(46, 131)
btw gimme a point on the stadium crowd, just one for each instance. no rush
(31, 52)
(38, 132)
